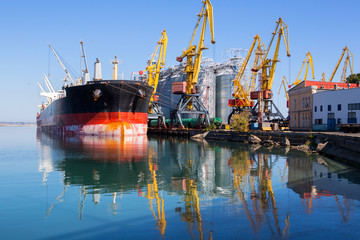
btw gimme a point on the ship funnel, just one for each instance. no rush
(97, 71)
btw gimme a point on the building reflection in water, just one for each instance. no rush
(320, 178)
(198, 172)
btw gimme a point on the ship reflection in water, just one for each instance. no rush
(200, 190)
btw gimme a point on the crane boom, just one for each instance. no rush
(267, 79)
(284, 83)
(189, 101)
(48, 84)
(283, 31)
(193, 65)
(84, 56)
(347, 61)
(154, 68)
(62, 65)
(241, 92)
(308, 60)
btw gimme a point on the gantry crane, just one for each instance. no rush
(189, 101)
(284, 83)
(264, 95)
(152, 79)
(241, 100)
(308, 60)
(349, 60)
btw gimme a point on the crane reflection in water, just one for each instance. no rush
(251, 180)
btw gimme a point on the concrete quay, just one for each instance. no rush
(340, 146)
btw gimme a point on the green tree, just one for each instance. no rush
(240, 122)
(353, 78)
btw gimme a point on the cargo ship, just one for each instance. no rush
(97, 107)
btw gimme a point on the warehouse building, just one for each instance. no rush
(301, 102)
(335, 107)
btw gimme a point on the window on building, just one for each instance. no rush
(294, 103)
(352, 117)
(315, 108)
(307, 102)
(321, 108)
(354, 106)
(329, 108)
(303, 103)
(331, 115)
(318, 121)
(303, 119)
(339, 121)
(339, 107)
(351, 114)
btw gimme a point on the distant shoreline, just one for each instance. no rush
(17, 125)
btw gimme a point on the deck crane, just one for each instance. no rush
(62, 65)
(152, 79)
(284, 83)
(241, 94)
(86, 75)
(189, 101)
(308, 60)
(349, 60)
(264, 96)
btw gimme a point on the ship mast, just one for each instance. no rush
(62, 65)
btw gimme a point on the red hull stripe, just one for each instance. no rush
(96, 118)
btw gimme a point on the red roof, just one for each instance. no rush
(330, 85)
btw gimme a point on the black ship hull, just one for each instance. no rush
(112, 108)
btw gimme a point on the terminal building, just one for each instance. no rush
(335, 107)
(303, 103)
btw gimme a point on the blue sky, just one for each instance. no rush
(130, 29)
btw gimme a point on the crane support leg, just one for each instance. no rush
(157, 114)
(198, 108)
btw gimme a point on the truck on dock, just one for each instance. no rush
(350, 127)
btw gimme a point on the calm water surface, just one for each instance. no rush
(153, 188)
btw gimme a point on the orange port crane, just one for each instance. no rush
(152, 79)
(190, 102)
(349, 60)
(241, 94)
(308, 60)
(268, 66)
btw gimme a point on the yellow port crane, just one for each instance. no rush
(264, 96)
(308, 60)
(284, 83)
(241, 94)
(349, 60)
(152, 79)
(189, 102)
